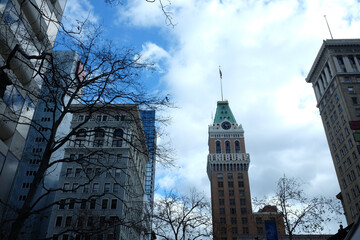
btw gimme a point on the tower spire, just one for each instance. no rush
(222, 98)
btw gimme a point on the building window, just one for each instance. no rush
(86, 188)
(354, 100)
(234, 230)
(220, 184)
(72, 204)
(218, 147)
(117, 138)
(260, 231)
(244, 220)
(220, 176)
(77, 172)
(351, 90)
(233, 220)
(258, 220)
(237, 146)
(230, 175)
(83, 204)
(221, 193)
(242, 201)
(242, 193)
(232, 210)
(221, 202)
(245, 230)
(95, 188)
(227, 147)
(231, 193)
(241, 184)
(58, 221)
(222, 220)
(62, 203)
(243, 211)
(107, 187)
(68, 221)
(231, 184)
(104, 203)
(92, 203)
(232, 201)
(240, 176)
(222, 211)
(116, 188)
(114, 203)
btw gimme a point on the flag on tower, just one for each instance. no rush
(220, 72)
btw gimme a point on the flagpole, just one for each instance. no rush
(222, 98)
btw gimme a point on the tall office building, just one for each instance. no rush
(102, 185)
(47, 111)
(335, 77)
(227, 168)
(148, 121)
(30, 27)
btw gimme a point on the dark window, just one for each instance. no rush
(113, 203)
(58, 221)
(99, 133)
(244, 220)
(242, 201)
(245, 230)
(92, 203)
(232, 210)
(230, 175)
(117, 138)
(83, 204)
(221, 202)
(222, 210)
(104, 203)
(62, 204)
(231, 193)
(227, 147)
(220, 176)
(221, 193)
(233, 220)
(241, 184)
(232, 201)
(240, 176)
(243, 211)
(72, 204)
(218, 147)
(220, 184)
(237, 146)
(230, 184)
(258, 220)
(234, 230)
(68, 221)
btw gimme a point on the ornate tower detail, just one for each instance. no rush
(227, 168)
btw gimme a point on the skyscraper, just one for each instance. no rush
(335, 77)
(47, 111)
(227, 169)
(148, 121)
(26, 28)
(101, 186)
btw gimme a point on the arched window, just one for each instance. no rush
(227, 147)
(117, 138)
(99, 137)
(218, 147)
(81, 133)
(99, 133)
(237, 146)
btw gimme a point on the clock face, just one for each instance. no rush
(226, 125)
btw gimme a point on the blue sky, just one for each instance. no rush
(266, 49)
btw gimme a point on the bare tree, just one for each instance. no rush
(300, 213)
(182, 217)
(105, 75)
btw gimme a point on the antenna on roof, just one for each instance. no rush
(328, 27)
(222, 98)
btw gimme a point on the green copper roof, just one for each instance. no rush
(223, 112)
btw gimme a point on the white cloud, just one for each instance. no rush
(154, 54)
(77, 12)
(265, 51)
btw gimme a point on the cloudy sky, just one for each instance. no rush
(265, 49)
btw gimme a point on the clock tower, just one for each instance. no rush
(227, 168)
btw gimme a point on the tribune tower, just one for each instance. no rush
(227, 169)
